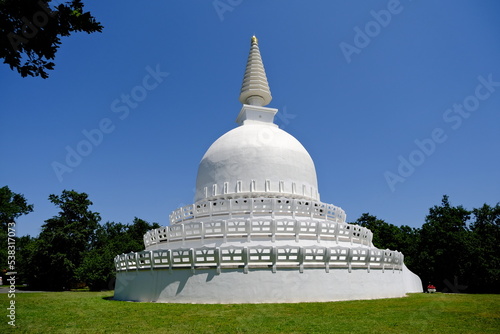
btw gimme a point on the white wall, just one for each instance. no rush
(263, 286)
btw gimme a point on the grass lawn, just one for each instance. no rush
(94, 312)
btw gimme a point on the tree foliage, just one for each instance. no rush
(409, 240)
(31, 31)
(73, 249)
(98, 269)
(456, 249)
(385, 235)
(445, 245)
(485, 256)
(12, 206)
(25, 249)
(63, 241)
(389, 236)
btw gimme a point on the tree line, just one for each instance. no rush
(73, 249)
(457, 250)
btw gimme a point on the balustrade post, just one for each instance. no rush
(170, 260)
(183, 232)
(273, 230)
(382, 258)
(297, 230)
(328, 257)
(349, 258)
(246, 258)
(151, 262)
(301, 259)
(274, 258)
(217, 259)
(224, 230)
(248, 228)
(273, 208)
(192, 259)
(251, 202)
(337, 232)
(319, 226)
(368, 255)
(202, 236)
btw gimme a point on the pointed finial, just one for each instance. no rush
(255, 88)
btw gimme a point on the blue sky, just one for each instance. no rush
(398, 103)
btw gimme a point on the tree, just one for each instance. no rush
(445, 246)
(31, 31)
(385, 235)
(98, 269)
(63, 241)
(25, 249)
(12, 206)
(485, 272)
(389, 236)
(408, 241)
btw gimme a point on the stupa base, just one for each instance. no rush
(233, 286)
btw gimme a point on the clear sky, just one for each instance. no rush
(398, 103)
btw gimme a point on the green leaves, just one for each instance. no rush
(64, 240)
(385, 235)
(485, 272)
(72, 248)
(111, 239)
(445, 242)
(12, 206)
(453, 245)
(31, 31)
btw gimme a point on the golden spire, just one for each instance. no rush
(254, 40)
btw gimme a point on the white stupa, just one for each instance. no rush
(258, 232)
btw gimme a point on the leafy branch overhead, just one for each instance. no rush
(31, 31)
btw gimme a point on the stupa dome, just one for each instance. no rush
(256, 159)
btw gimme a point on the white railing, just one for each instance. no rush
(252, 257)
(260, 227)
(258, 206)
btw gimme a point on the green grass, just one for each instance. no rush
(92, 312)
